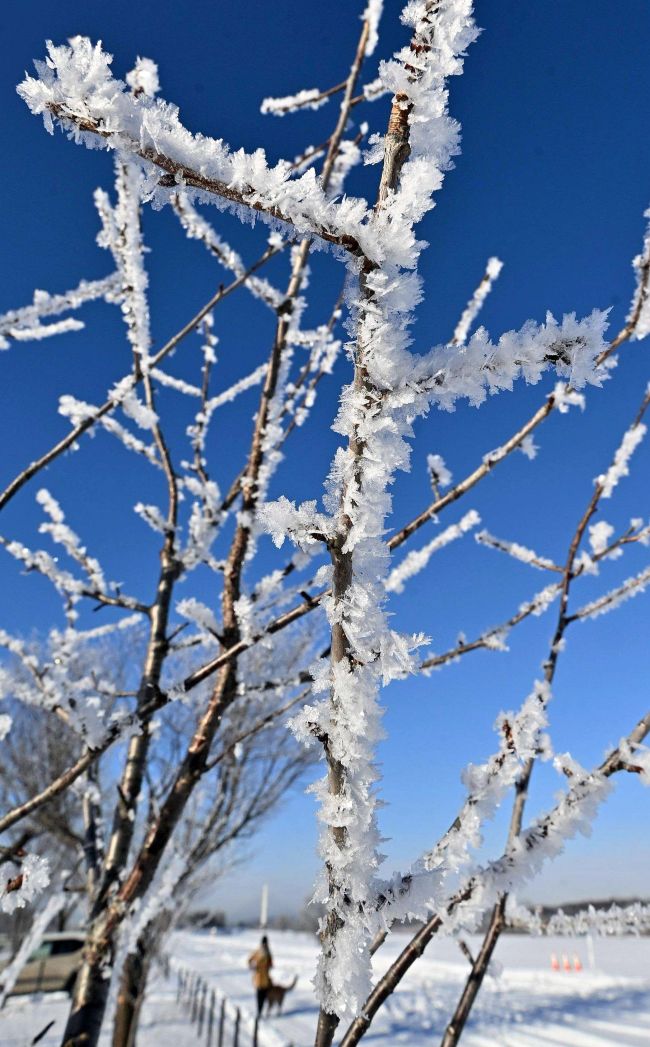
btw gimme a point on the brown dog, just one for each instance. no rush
(275, 995)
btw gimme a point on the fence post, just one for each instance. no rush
(203, 996)
(222, 1022)
(235, 1040)
(211, 1018)
(194, 999)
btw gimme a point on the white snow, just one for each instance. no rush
(25, 324)
(528, 1005)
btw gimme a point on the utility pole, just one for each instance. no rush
(264, 907)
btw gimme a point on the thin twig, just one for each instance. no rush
(83, 427)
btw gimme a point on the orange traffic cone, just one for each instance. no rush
(565, 962)
(555, 964)
(577, 966)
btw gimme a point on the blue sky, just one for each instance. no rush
(554, 178)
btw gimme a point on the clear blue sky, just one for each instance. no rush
(554, 178)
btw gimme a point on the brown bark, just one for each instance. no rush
(131, 992)
(473, 984)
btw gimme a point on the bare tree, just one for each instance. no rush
(251, 771)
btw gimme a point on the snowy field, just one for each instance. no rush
(526, 1005)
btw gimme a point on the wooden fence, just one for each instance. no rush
(219, 1023)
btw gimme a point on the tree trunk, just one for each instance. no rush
(130, 996)
(91, 991)
(87, 1013)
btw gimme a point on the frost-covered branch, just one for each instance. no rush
(559, 400)
(324, 351)
(417, 560)
(122, 235)
(543, 840)
(111, 905)
(311, 602)
(23, 325)
(616, 920)
(128, 249)
(518, 552)
(198, 228)
(521, 739)
(494, 639)
(260, 725)
(562, 398)
(308, 98)
(76, 89)
(87, 422)
(313, 98)
(116, 730)
(638, 320)
(572, 569)
(408, 894)
(18, 889)
(71, 588)
(59, 785)
(572, 347)
(610, 601)
(620, 465)
(391, 387)
(376, 414)
(475, 304)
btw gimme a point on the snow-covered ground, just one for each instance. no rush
(527, 1005)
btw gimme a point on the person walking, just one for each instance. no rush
(260, 962)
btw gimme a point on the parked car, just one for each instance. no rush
(53, 965)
